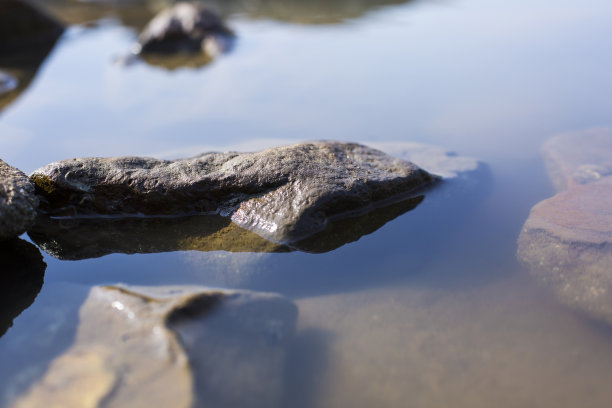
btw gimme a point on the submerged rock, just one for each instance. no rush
(189, 31)
(283, 194)
(21, 279)
(18, 202)
(172, 347)
(567, 239)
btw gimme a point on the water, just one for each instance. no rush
(432, 309)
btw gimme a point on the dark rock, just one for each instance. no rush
(284, 194)
(18, 202)
(25, 26)
(172, 347)
(567, 240)
(189, 33)
(21, 278)
(82, 238)
(27, 35)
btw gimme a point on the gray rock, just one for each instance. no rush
(18, 202)
(187, 29)
(567, 240)
(22, 276)
(172, 347)
(283, 194)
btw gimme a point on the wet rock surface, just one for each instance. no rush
(21, 278)
(283, 194)
(172, 347)
(18, 202)
(567, 240)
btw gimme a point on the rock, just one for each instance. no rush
(91, 238)
(24, 26)
(22, 276)
(567, 240)
(18, 202)
(187, 29)
(283, 194)
(27, 35)
(579, 158)
(172, 347)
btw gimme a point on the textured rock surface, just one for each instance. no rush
(21, 278)
(171, 347)
(567, 240)
(18, 202)
(284, 194)
(91, 238)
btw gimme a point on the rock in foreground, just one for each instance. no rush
(567, 240)
(172, 347)
(283, 194)
(18, 202)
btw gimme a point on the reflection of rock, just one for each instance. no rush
(7, 82)
(284, 194)
(567, 240)
(23, 271)
(579, 158)
(26, 37)
(18, 202)
(172, 347)
(90, 238)
(187, 30)
(23, 26)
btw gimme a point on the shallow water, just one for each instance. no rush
(432, 309)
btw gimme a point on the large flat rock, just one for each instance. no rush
(171, 347)
(567, 240)
(284, 194)
(18, 202)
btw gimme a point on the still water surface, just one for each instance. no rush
(431, 310)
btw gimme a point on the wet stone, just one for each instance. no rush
(18, 202)
(172, 347)
(284, 194)
(567, 240)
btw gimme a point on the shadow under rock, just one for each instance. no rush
(22, 277)
(83, 238)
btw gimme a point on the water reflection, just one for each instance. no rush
(83, 238)
(27, 35)
(136, 13)
(22, 276)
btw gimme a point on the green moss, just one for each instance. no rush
(43, 183)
